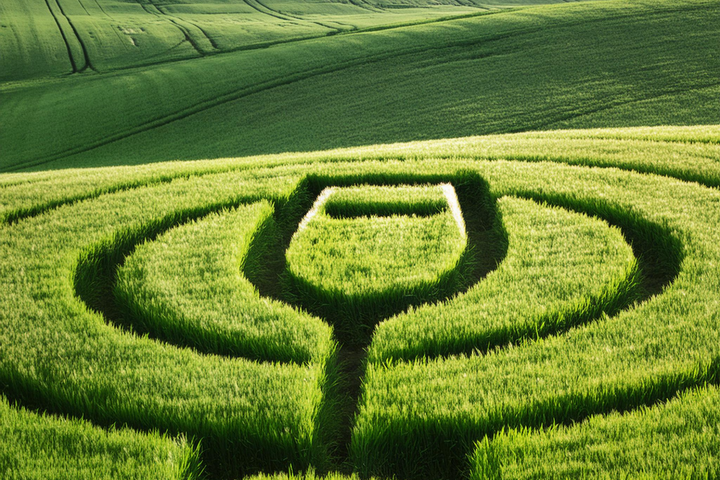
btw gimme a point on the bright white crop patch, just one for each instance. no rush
(375, 243)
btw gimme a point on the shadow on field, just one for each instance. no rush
(658, 251)
(487, 245)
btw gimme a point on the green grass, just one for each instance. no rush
(190, 287)
(565, 326)
(380, 201)
(687, 153)
(637, 357)
(621, 64)
(360, 269)
(310, 475)
(560, 270)
(38, 446)
(48, 38)
(88, 368)
(646, 443)
(63, 36)
(418, 417)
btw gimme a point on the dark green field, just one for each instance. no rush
(318, 239)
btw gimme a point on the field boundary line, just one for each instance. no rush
(65, 39)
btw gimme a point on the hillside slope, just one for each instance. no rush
(598, 64)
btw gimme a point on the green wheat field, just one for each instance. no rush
(359, 239)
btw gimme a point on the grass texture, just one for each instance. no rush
(631, 445)
(172, 316)
(350, 202)
(188, 287)
(419, 416)
(560, 269)
(37, 446)
(362, 268)
(88, 368)
(687, 153)
(61, 36)
(634, 358)
(597, 64)
(310, 475)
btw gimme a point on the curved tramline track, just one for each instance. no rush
(172, 319)
(627, 63)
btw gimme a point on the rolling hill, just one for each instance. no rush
(597, 64)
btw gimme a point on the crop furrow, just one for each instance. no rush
(86, 55)
(586, 111)
(296, 17)
(628, 200)
(209, 38)
(102, 9)
(289, 79)
(65, 40)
